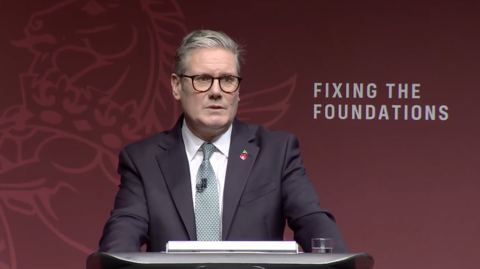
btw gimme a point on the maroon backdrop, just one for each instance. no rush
(398, 165)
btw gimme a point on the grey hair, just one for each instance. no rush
(206, 39)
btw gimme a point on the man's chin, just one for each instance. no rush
(216, 122)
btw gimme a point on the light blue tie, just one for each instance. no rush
(207, 212)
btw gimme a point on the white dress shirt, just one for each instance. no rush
(218, 159)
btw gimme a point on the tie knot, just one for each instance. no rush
(208, 149)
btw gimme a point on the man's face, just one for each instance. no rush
(214, 110)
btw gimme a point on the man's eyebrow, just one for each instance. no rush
(227, 74)
(220, 75)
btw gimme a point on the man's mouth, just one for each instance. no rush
(215, 107)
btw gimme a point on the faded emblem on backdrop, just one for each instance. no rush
(99, 79)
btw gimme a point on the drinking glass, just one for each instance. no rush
(322, 245)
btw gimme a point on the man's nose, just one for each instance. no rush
(215, 91)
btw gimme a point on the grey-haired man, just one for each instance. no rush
(212, 177)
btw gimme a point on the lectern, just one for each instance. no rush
(228, 259)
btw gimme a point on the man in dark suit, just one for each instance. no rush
(213, 177)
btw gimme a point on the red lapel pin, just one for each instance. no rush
(244, 155)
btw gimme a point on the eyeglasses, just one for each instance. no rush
(203, 83)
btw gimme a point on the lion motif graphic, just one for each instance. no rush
(99, 80)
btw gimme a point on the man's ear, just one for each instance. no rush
(176, 82)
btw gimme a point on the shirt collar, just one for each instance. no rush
(193, 143)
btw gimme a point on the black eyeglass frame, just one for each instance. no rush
(213, 79)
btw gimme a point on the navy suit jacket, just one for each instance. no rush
(262, 193)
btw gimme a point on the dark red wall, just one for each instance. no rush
(81, 79)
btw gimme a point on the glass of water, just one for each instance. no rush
(322, 245)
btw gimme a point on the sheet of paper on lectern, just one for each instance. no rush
(233, 246)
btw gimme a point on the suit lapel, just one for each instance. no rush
(238, 171)
(173, 163)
